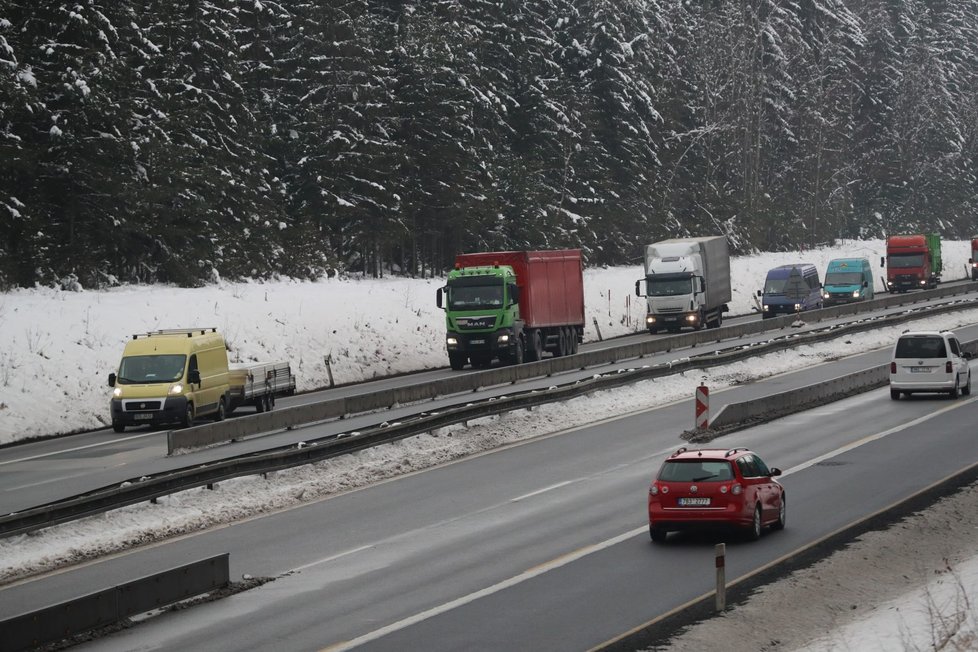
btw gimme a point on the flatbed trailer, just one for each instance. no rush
(258, 384)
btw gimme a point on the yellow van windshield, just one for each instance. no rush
(140, 369)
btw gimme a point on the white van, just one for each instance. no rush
(929, 361)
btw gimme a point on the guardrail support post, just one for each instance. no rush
(720, 551)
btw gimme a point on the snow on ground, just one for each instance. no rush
(58, 347)
(200, 508)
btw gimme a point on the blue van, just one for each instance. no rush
(847, 280)
(789, 289)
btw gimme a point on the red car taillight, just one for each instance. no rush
(653, 490)
(948, 367)
(892, 367)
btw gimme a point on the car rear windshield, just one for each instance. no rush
(696, 471)
(921, 347)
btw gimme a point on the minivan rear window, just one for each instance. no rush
(921, 347)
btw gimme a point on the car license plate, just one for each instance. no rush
(694, 502)
(142, 416)
(919, 370)
(477, 341)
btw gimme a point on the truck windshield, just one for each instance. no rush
(844, 278)
(898, 261)
(140, 369)
(475, 297)
(669, 287)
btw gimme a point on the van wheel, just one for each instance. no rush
(966, 390)
(221, 411)
(188, 416)
(118, 426)
(955, 391)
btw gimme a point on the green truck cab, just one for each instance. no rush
(482, 314)
(513, 305)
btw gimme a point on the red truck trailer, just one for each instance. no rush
(912, 262)
(513, 305)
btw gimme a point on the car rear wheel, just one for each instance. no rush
(754, 533)
(895, 394)
(657, 534)
(955, 391)
(782, 515)
(966, 390)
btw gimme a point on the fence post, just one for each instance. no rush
(329, 369)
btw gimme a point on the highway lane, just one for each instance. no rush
(40, 472)
(541, 545)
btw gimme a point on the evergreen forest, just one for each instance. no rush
(186, 141)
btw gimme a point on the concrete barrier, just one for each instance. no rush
(109, 606)
(280, 419)
(795, 400)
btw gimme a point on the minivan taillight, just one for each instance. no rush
(947, 367)
(892, 367)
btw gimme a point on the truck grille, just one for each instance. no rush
(138, 406)
(473, 323)
(665, 310)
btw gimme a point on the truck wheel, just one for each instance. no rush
(188, 416)
(561, 343)
(574, 342)
(456, 361)
(118, 426)
(534, 350)
(518, 354)
(718, 322)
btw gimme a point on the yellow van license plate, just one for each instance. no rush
(142, 417)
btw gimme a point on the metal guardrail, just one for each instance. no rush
(152, 487)
(109, 606)
(293, 417)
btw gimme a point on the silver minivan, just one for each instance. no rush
(929, 361)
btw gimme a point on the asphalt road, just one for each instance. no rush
(539, 546)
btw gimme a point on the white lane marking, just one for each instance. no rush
(541, 491)
(489, 590)
(81, 448)
(587, 550)
(869, 438)
(326, 560)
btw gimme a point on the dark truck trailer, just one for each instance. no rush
(537, 305)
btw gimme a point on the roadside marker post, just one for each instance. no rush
(702, 407)
(720, 551)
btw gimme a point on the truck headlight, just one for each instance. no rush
(797, 307)
(855, 294)
(502, 339)
(766, 307)
(650, 319)
(176, 389)
(451, 341)
(692, 319)
(117, 392)
(923, 282)
(825, 295)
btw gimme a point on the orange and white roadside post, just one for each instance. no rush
(702, 407)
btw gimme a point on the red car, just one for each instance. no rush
(715, 487)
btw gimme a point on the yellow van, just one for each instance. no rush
(171, 376)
